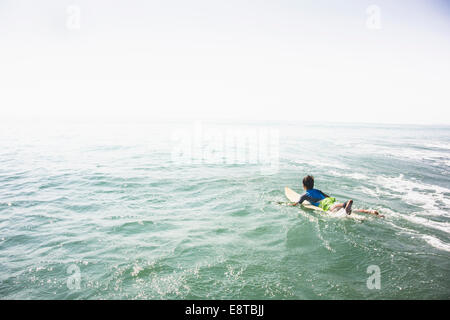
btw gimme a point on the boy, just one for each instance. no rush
(324, 201)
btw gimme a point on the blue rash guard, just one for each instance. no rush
(313, 196)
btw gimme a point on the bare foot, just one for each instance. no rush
(375, 212)
(348, 208)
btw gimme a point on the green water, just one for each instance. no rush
(92, 211)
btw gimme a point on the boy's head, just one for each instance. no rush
(308, 182)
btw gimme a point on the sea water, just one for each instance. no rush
(158, 210)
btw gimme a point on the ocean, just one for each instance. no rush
(181, 210)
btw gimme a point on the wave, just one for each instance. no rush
(435, 242)
(422, 222)
(352, 175)
(432, 199)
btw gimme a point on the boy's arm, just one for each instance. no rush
(302, 198)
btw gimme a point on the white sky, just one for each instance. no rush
(262, 60)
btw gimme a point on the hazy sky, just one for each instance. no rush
(352, 61)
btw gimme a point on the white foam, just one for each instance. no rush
(368, 191)
(353, 175)
(435, 242)
(416, 193)
(442, 226)
(339, 214)
(417, 220)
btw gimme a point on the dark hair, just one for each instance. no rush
(308, 182)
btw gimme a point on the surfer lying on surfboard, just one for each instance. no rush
(324, 201)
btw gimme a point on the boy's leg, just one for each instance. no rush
(347, 205)
(374, 212)
(336, 206)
